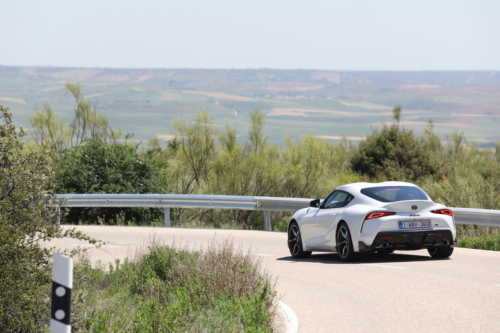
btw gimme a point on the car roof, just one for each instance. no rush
(356, 187)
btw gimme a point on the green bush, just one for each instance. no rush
(488, 242)
(171, 290)
(27, 217)
(98, 167)
(394, 154)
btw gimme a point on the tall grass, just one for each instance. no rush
(175, 290)
(479, 237)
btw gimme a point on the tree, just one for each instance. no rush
(431, 141)
(497, 151)
(306, 166)
(394, 154)
(53, 134)
(48, 131)
(87, 123)
(256, 134)
(196, 149)
(27, 217)
(397, 113)
(99, 167)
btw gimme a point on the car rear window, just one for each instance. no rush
(394, 193)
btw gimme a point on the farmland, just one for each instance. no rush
(326, 104)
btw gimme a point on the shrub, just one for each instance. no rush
(394, 154)
(488, 242)
(27, 217)
(98, 167)
(172, 290)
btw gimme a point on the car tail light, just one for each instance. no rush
(375, 215)
(443, 211)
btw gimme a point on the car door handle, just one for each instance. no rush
(333, 215)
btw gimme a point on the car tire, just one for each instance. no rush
(385, 251)
(295, 242)
(344, 243)
(441, 252)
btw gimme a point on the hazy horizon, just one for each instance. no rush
(363, 35)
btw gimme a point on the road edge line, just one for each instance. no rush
(292, 323)
(468, 248)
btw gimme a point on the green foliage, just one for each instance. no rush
(98, 167)
(199, 164)
(431, 141)
(171, 290)
(396, 111)
(87, 123)
(48, 131)
(488, 242)
(88, 159)
(394, 154)
(27, 218)
(283, 224)
(54, 135)
(195, 152)
(470, 177)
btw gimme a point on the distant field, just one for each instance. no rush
(330, 105)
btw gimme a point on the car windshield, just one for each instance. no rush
(394, 193)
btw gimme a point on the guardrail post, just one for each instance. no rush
(267, 220)
(58, 212)
(166, 217)
(62, 284)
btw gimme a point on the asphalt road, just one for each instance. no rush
(400, 292)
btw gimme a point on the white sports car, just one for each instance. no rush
(369, 217)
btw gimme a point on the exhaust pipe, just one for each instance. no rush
(385, 245)
(446, 242)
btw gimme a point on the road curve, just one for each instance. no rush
(400, 292)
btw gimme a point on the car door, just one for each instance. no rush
(322, 225)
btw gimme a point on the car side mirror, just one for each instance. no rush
(314, 203)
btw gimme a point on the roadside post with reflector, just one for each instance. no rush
(62, 284)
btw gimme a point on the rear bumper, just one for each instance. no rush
(409, 240)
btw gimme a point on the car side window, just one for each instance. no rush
(337, 199)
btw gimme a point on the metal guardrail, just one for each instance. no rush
(483, 217)
(167, 201)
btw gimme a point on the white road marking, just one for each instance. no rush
(497, 285)
(385, 266)
(466, 248)
(257, 254)
(91, 245)
(292, 323)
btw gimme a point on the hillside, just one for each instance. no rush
(328, 104)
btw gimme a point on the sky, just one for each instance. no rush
(281, 34)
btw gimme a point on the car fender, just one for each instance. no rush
(299, 217)
(354, 216)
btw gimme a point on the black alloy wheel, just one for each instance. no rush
(344, 243)
(295, 242)
(441, 252)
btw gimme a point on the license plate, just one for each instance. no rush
(415, 224)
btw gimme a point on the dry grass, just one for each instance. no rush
(174, 289)
(476, 231)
